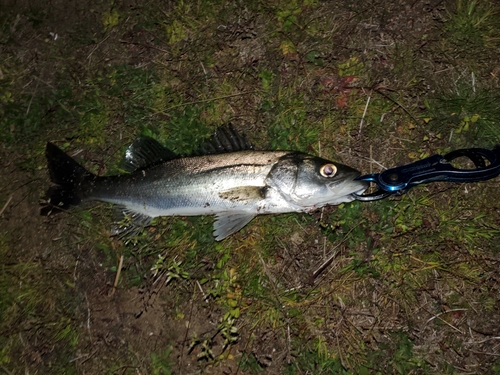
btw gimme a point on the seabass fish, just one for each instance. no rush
(229, 180)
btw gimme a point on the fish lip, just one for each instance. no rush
(359, 192)
(350, 177)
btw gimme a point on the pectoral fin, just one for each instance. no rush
(228, 223)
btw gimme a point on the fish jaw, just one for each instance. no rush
(335, 195)
(344, 190)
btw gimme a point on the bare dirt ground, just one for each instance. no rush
(415, 282)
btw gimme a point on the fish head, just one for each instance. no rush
(311, 182)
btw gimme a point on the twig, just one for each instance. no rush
(288, 343)
(118, 272)
(188, 326)
(363, 117)
(46, 83)
(486, 340)
(330, 259)
(445, 312)
(376, 162)
(205, 298)
(97, 46)
(84, 355)
(371, 159)
(486, 353)
(379, 90)
(5, 205)
(266, 271)
(143, 45)
(6, 370)
(324, 265)
(324, 244)
(88, 316)
(448, 324)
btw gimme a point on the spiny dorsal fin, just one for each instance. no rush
(225, 139)
(144, 152)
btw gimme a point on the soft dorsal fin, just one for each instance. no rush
(225, 139)
(144, 152)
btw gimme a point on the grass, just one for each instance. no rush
(403, 285)
(467, 116)
(472, 26)
(36, 314)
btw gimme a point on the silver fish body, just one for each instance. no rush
(233, 186)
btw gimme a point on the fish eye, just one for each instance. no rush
(328, 170)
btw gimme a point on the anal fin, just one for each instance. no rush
(228, 223)
(128, 223)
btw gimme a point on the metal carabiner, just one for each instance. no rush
(434, 168)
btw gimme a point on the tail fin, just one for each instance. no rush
(68, 175)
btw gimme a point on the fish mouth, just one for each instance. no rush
(357, 195)
(363, 186)
(349, 189)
